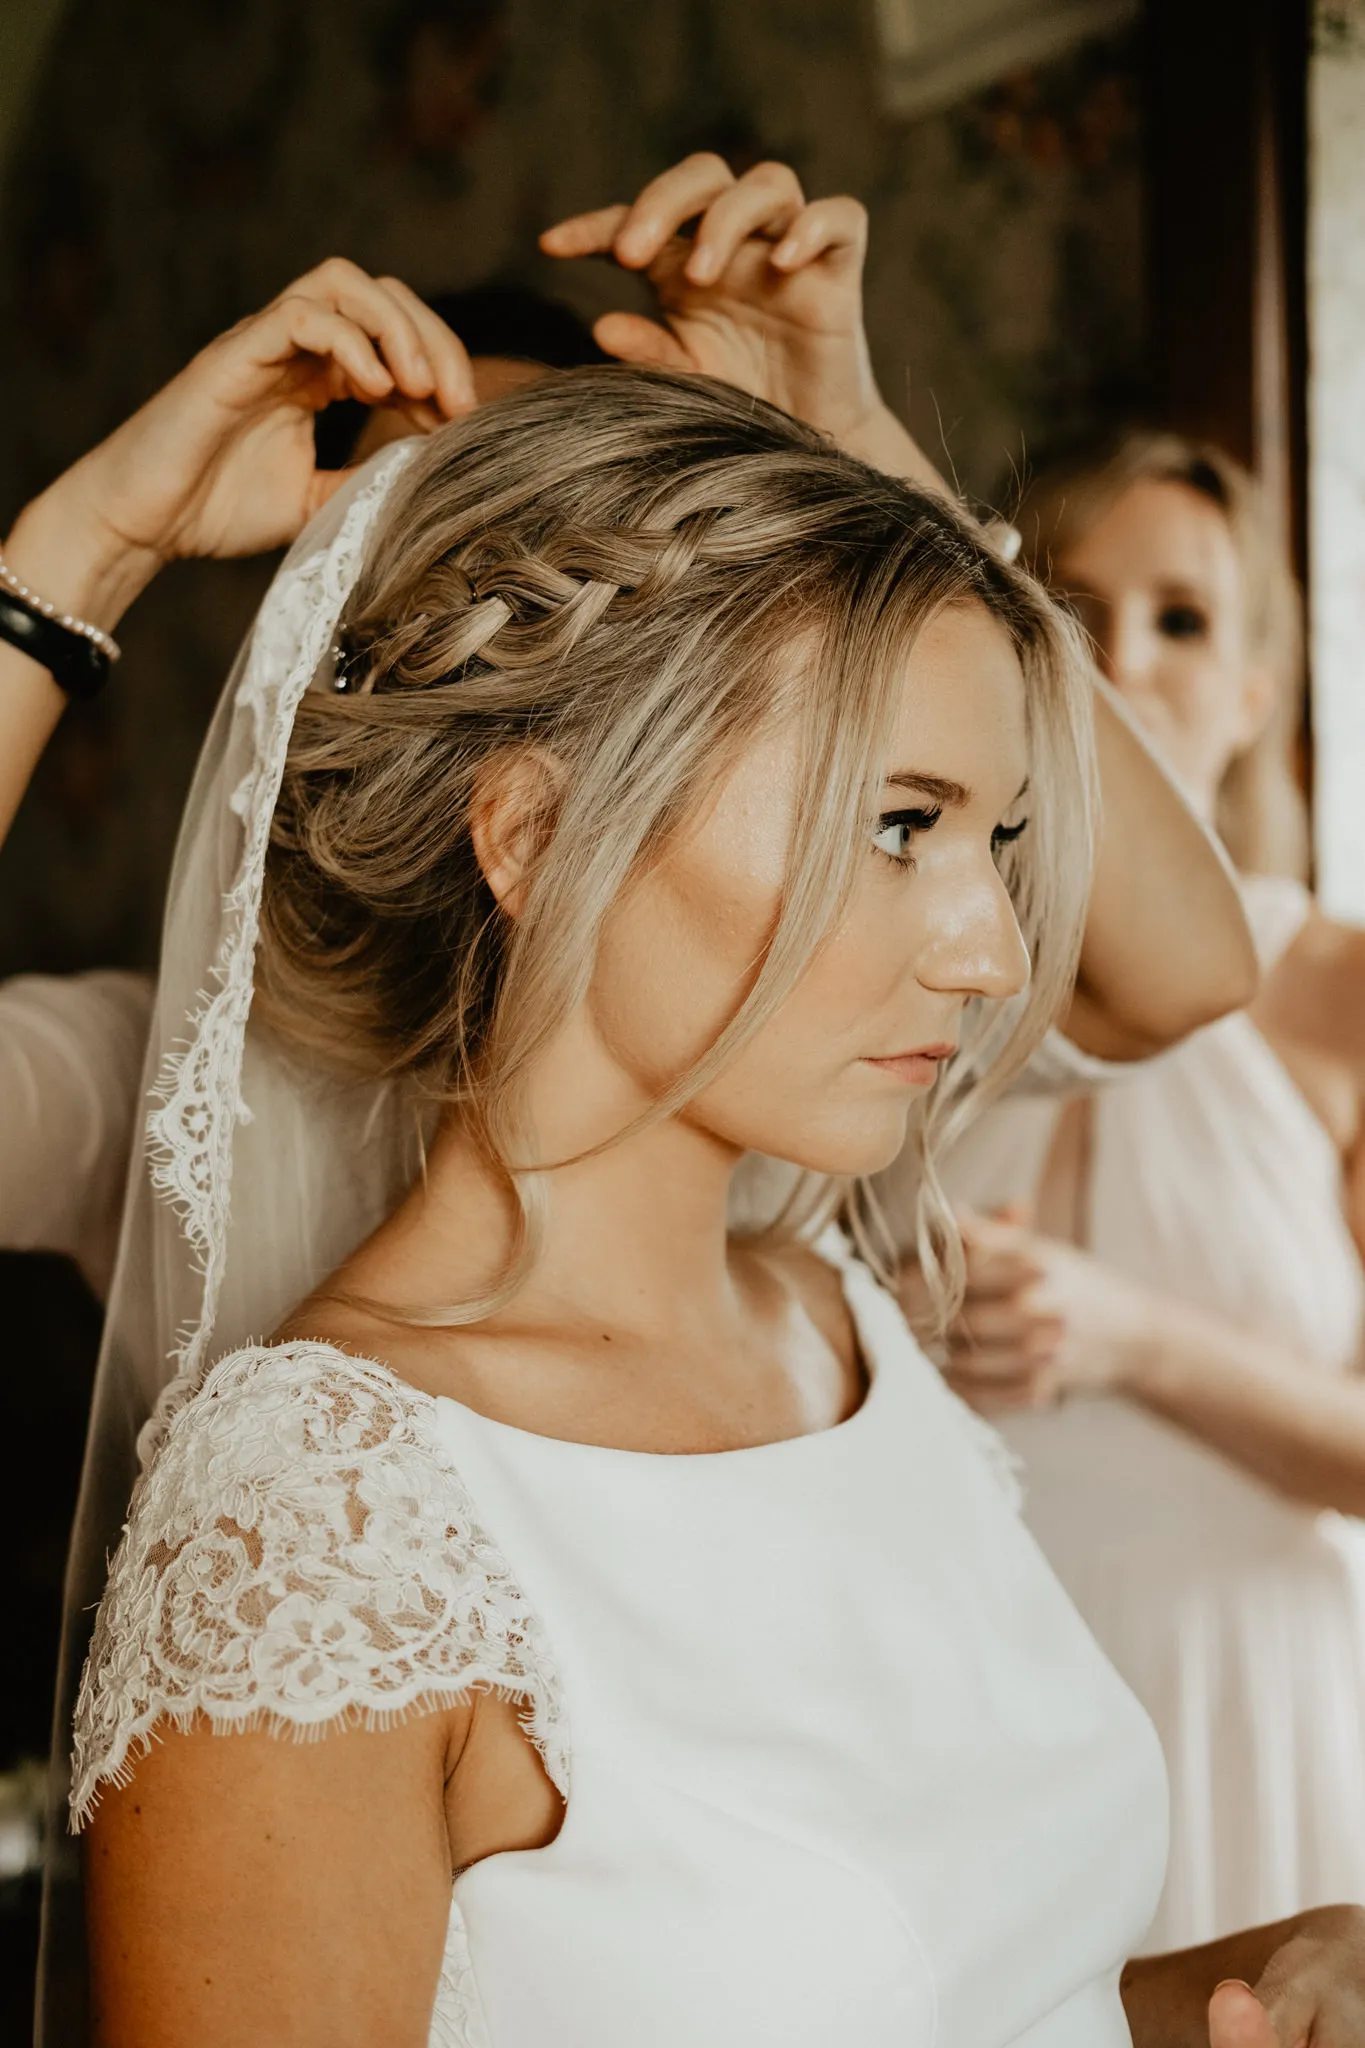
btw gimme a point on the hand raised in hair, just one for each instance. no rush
(221, 461)
(755, 284)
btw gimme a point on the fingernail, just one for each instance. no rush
(702, 265)
(785, 252)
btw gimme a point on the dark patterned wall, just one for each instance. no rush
(183, 159)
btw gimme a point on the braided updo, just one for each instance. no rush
(629, 572)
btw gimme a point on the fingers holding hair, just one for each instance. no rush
(765, 202)
(452, 374)
(631, 338)
(403, 332)
(297, 324)
(636, 234)
(825, 228)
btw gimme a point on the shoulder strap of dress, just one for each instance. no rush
(1277, 907)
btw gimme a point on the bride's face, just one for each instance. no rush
(829, 1080)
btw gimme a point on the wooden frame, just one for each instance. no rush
(1226, 91)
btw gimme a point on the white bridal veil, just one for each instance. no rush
(257, 1177)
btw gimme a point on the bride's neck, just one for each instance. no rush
(634, 1235)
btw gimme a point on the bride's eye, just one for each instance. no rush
(897, 831)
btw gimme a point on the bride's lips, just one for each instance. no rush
(918, 1069)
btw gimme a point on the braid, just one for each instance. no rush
(502, 608)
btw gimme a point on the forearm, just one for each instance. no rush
(1166, 947)
(61, 549)
(1291, 1424)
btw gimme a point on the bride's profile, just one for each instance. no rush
(620, 782)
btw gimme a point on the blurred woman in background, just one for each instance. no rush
(1194, 1265)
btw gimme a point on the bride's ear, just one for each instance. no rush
(510, 819)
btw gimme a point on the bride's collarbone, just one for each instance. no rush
(785, 1364)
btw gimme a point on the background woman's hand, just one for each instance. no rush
(756, 285)
(1311, 1993)
(221, 461)
(1040, 1319)
(1298, 1984)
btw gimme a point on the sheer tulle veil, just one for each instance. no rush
(257, 1177)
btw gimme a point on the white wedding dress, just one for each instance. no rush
(1237, 1616)
(841, 1763)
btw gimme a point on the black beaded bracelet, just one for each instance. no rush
(74, 660)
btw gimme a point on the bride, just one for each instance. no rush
(624, 781)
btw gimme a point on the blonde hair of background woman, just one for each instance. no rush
(630, 574)
(1262, 816)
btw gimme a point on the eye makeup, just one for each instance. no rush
(902, 828)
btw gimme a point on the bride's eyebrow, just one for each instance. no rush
(940, 788)
(943, 789)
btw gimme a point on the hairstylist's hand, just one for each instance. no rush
(1040, 1319)
(221, 461)
(757, 286)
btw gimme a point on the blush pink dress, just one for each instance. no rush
(1236, 1616)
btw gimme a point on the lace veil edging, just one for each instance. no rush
(198, 1095)
(258, 1177)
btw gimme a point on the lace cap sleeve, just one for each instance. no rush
(302, 1552)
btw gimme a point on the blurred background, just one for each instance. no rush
(1081, 210)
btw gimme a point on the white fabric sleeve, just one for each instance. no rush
(302, 1553)
(71, 1053)
(1060, 1068)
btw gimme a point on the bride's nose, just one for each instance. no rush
(975, 946)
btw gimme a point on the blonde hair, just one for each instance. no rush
(632, 573)
(1261, 816)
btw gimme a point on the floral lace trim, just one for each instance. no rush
(199, 1089)
(303, 1552)
(457, 2020)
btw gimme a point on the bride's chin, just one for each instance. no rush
(845, 1148)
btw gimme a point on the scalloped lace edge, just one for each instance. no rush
(136, 1740)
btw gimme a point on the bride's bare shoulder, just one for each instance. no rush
(334, 1323)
